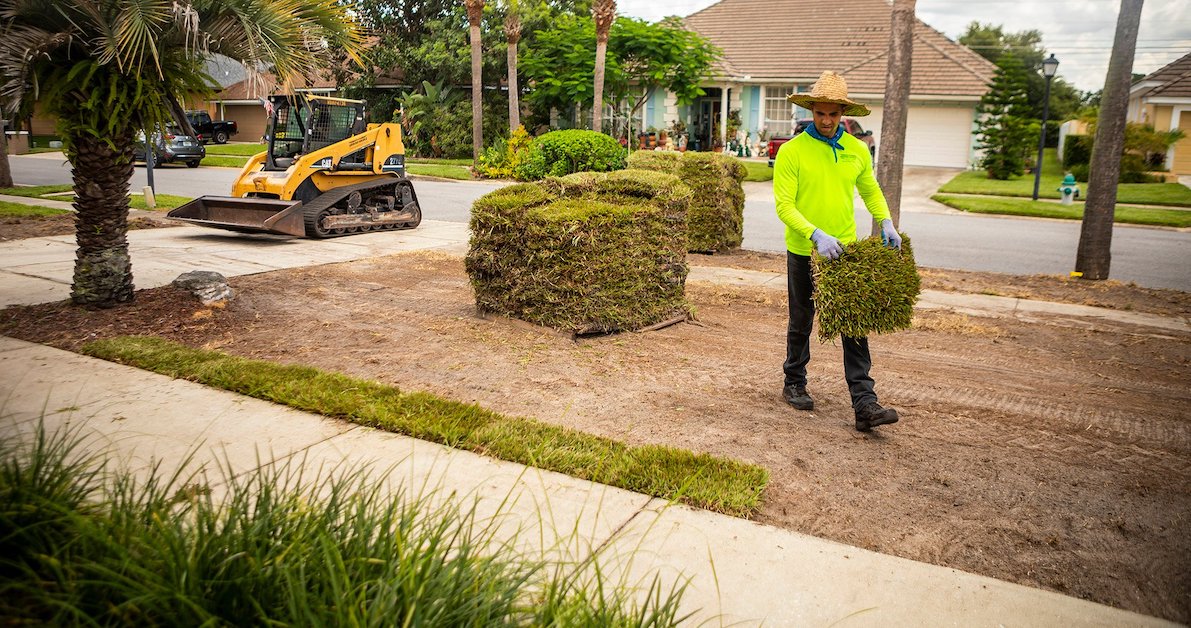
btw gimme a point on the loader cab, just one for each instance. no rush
(300, 125)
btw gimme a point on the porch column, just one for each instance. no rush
(724, 115)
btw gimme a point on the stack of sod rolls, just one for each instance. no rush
(871, 288)
(716, 216)
(585, 253)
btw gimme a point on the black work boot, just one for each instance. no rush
(798, 397)
(872, 414)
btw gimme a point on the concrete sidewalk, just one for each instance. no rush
(739, 571)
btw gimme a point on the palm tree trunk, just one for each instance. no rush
(1094, 255)
(477, 94)
(102, 268)
(514, 104)
(5, 169)
(897, 104)
(513, 34)
(598, 107)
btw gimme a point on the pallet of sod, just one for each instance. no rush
(871, 288)
(716, 218)
(585, 253)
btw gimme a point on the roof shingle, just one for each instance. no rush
(1175, 79)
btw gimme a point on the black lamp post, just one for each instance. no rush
(1049, 67)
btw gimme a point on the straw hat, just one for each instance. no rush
(831, 88)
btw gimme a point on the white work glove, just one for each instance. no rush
(889, 234)
(828, 246)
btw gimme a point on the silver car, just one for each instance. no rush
(171, 148)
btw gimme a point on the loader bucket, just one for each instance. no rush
(248, 215)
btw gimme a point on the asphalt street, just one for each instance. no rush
(943, 238)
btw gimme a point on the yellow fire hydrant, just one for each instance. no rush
(1069, 189)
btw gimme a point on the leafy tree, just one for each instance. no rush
(1005, 130)
(992, 42)
(106, 69)
(641, 57)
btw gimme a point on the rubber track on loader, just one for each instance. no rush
(326, 200)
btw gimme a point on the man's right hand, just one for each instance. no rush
(827, 246)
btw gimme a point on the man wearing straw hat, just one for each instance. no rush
(815, 179)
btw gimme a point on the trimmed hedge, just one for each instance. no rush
(716, 218)
(560, 153)
(1077, 150)
(871, 288)
(585, 253)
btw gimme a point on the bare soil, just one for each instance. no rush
(1044, 454)
(63, 224)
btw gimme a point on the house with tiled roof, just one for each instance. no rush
(1163, 99)
(772, 48)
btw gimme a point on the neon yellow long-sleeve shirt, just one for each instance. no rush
(814, 191)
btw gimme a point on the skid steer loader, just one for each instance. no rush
(325, 172)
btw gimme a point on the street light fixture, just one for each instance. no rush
(1049, 67)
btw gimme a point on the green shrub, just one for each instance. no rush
(871, 288)
(716, 218)
(501, 159)
(560, 153)
(1080, 172)
(1077, 149)
(585, 253)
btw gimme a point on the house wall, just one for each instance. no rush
(1179, 157)
(251, 121)
(1160, 116)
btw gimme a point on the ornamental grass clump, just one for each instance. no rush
(585, 253)
(871, 288)
(715, 221)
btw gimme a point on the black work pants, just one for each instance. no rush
(857, 362)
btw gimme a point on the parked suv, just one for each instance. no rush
(171, 148)
(851, 126)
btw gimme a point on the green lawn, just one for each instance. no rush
(38, 190)
(21, 210)
(757, 171)
(226, 161)
(239, 150)
(977, 182)
(702, 480)
(1043, 209)
(441, 170)
(441, 162)
(164, 201)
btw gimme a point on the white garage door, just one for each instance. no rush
(939, 136)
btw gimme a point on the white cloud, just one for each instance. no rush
(1078, 32)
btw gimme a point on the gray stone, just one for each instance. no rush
(210, 287)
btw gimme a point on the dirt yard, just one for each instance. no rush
(63, 224)
(1043, 454)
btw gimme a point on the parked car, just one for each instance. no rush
(171, 148)
(209, 130)
(851, 126)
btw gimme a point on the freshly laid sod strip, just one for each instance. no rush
(701, 480)
(871, 288)
(39, 190)
(1042, 209)
(21, 210)
(86, 544)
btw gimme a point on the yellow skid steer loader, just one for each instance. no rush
(325, 172)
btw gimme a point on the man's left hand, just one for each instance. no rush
(889, 234)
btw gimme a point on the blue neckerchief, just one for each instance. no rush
(833, 142)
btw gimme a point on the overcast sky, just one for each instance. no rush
(1078, 32)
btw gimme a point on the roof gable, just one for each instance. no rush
(795, 40)
(1172, 80)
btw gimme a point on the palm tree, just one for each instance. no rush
(107, 69)
(604, 12)
(513, 35)
(475, 12)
